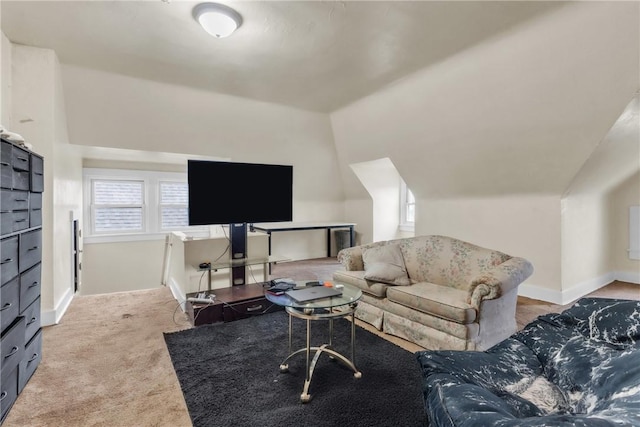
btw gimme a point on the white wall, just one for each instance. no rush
(488, 140)
(525, 226)
(108, 110)
(5, 86)
(626, 195)
(382, 181)
(39, 116)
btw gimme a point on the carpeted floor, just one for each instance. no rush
(230, 375)
(106, 363)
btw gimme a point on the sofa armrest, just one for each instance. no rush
(351, 258)
(499, 281)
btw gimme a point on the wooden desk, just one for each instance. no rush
(272, 227)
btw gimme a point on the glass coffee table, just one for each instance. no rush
(322, 309)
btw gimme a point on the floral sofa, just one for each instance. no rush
(436, 291)
(577, 368)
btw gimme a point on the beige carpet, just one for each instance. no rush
(106, 364)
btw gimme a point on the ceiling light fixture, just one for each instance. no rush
(217, 19)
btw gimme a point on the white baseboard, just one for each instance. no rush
(177, 292)
(540, 293)
(628, 276)
(586, 287)
(52, 317)
(577, 291)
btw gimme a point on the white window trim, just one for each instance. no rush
(404, 225)
(151, 205)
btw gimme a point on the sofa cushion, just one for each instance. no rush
(617, 323)
(442, 301)
(385, 264)
(447, 261)
(356, 278)
(549, 373)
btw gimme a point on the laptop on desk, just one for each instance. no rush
(312, 293)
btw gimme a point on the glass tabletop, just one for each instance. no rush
(350, 294)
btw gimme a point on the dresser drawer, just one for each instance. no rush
(37, 174)
(6, 171)
(20, 159)
(31, 360)
(35, 209)
(14, 200)
(32, 320)
(249, 308)
(12, 345)
(29, 286)
(8, 258)
(8, 391)
(14, 221)
(30, 249)
(9, 303)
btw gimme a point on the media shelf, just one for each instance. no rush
(240, 263)
(233, 303)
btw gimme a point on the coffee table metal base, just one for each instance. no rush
(310, 315)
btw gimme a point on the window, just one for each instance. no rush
(174, 207)
(135, 205)
(407, 208)
(117, 205)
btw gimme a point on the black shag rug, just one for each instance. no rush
(229, 374)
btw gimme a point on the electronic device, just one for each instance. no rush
(313, 293)
(228, 192)
(202, 298)
(282, 280)
(314, 283)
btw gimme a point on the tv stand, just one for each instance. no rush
(241, 264)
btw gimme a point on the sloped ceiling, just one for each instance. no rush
(466, 98)
(516, 114)
(313, 55)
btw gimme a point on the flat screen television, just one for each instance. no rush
(230, 193)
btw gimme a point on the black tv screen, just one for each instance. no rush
(229, 193)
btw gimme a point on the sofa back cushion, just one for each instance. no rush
(385, 264)
(447, 261)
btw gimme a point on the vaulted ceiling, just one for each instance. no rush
(313, 55)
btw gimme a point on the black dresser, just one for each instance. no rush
(21, 185)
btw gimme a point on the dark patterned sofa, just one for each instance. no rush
(580, 367)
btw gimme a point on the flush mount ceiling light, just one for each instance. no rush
(217, 19)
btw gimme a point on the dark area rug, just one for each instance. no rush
(229, 374)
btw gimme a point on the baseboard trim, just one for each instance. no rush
(586, 287)
(177, 292)
(578, 291)
(540, 293)
(628, 276)
(52, 317)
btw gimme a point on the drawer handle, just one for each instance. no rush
(21, 220)
(22, 159)
(3, 395)
(33, 319)
(33, 285)
(6, 260)
(4, 164)
(4, 307)
(14, 350)
(22, 200)
(38, 173)
(254, 308)
(34, 357)
(33, 248)
(5, 211)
